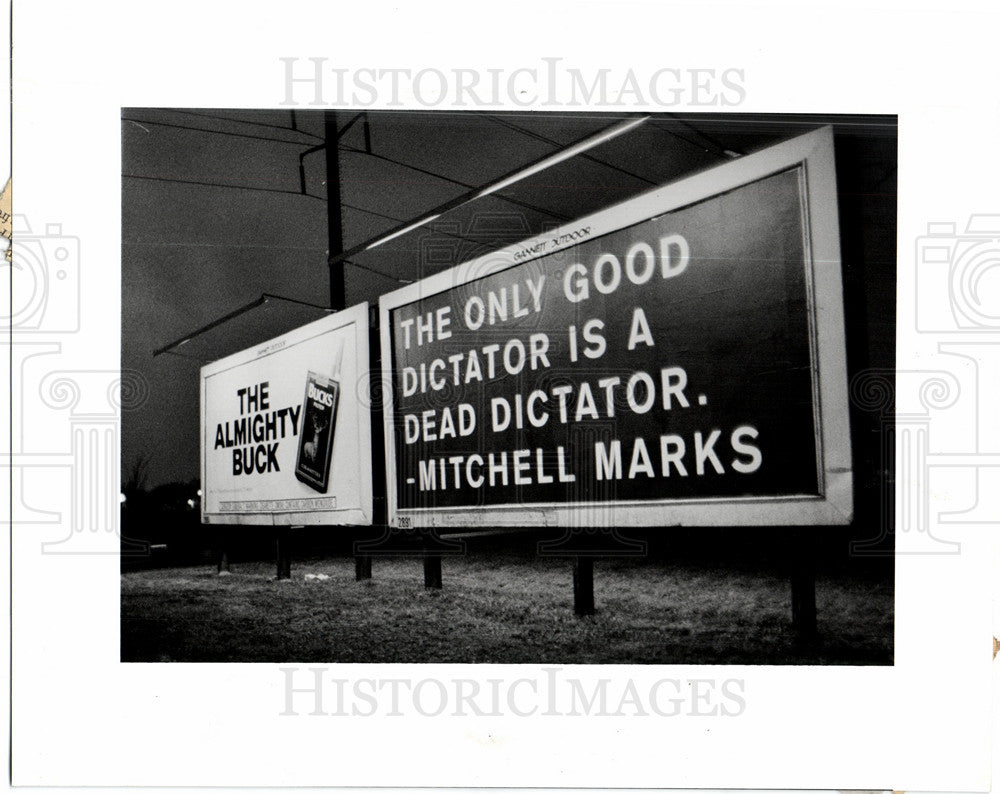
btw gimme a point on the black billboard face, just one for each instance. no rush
(675, 359)
(666, 360)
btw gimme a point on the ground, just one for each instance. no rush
(506, 609)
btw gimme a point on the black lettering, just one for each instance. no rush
(240, 432)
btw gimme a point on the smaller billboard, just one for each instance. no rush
(285, 428)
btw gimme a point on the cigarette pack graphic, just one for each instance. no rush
(319, 417)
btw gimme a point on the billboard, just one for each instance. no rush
(675, 359)
(285, 428)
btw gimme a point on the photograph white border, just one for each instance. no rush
(81, 717)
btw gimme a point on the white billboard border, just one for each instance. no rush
(814, 151)
(358, 316)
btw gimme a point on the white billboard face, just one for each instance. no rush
(285, 428)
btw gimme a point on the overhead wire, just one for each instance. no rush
(202, 183)
(264, 298)
(215, 132)
(491, 188)
(552, 142)
(466, 185)
(381, 273)
(241, 121)
(474, 191)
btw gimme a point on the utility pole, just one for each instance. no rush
(335, 233)
(335, 246)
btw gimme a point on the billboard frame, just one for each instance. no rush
(814, 152)
(361, 515)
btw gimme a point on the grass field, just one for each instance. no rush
(510, 609)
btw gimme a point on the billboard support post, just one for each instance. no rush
(362, 567)
(363, 559)
(804, 585)
(284, 552)
(220, 549)
(583, 585)
(432, 570)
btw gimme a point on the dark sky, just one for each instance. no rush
(191, 253)
(213, 215)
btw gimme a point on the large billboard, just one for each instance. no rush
(676, 359)
(285, 428)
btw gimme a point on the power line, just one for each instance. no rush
(377, 272)
(263, 299)
(202, 359)
(725, 151)
(394, 219)
(216, 132)
(220, 184)
(197, 183)
(474, 191)
(718, 150)
(501, 183)
(435, 175)
(251, 246)
(239, 121)
(517, 202)
(552, 142)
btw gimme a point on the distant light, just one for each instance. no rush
(191, 503)
(121, 498)
(199, 492)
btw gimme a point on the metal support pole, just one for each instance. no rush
(335, 244)
(221, 545)
(284, 553)
(432, 570)
(583, 585)
(804, 585)
(362, 567)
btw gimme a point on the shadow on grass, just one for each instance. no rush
(512, 611)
